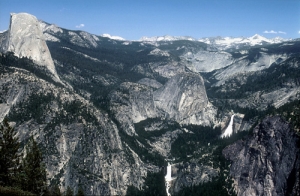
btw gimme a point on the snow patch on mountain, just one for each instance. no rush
(235, 42)
(166, 38)
(221, 43)
(244, 52)
(126, 43)
(113, 37)
(159, 52)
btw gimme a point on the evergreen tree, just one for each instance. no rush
(9, 157)
(33, 169)
(69, 192)
(80, 192)
(53, 191)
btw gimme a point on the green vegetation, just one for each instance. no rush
(214, 187)
(197, 145)
(175, 47)
(276, 76)
(22, 176)
(221, 183)
(30, 174)
(139, 145)
(54, 191)
(154, 186)
(69, 192)
(34, 108)
(291, 113)
(80, 192)
(144, 152)
(114, 64)
(10, 60)
(188, 143)
(168, 125)
(14, 191)
(33, 171)
(9, 156)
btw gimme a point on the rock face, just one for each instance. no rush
(182, 96)
(132, 103)
(182, 99)
(85, 149)
(191, 173)
(206, 61)
(268, 162)
(25, 38)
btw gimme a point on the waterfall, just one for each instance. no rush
(168, 178)
(229, 130)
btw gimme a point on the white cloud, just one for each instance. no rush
(275, 32)
(272, 31)
(299, 32)
(281, 32)
(80, 26)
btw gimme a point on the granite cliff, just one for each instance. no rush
(267, 163)
(26, 39)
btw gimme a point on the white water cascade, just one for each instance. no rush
(168, 178)
(229, 130)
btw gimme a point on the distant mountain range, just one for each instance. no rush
(220, 42)
(111, 114)
(229, 42)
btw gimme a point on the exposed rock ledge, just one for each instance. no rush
(25, 38)
(268, 162)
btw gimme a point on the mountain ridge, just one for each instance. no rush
(130, 107)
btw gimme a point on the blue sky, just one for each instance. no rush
(133, 19)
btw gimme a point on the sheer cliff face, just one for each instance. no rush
(25, 38)
(183, 99)
(268, 162)
(182, 96)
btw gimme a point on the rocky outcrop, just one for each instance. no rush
(132, 103)
(150, 82)
(3, 38)
(268, 162)
(25, 39)
(182, 96)
(182, 99)
(206, 61)
(191, 174)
